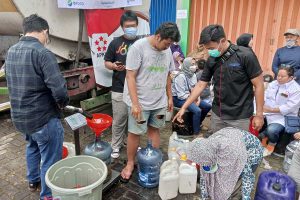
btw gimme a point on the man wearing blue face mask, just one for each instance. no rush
(235, 71)
(115, 59)
(289, 54)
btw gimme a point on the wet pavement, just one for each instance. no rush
(13, 184)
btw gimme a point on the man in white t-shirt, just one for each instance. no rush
(147, 89)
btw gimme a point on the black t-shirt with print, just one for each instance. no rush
(233, 89)
(117, 51)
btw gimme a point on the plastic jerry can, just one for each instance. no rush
(168, 184)
(187, 178)
(273, 185)
(169, 165)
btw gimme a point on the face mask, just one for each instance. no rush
(193, 68)
(290, 43)
(214, 52)
(130, 32)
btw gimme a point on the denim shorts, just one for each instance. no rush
(154, 118)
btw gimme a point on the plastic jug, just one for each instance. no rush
(175, 144)
(168, 183)
(99, 149)
(275, 185)
(169, 165)
(149, 162)
(289, 152)
(187, 178)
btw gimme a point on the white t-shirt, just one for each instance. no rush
(152, 68)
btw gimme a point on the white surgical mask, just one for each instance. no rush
(290, 43)
(193, 68)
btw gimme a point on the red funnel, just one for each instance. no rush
(99, 123)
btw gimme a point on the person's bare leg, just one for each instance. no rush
(133, 142)
(153, 135)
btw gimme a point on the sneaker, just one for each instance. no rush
(33, 186)
(115, 153)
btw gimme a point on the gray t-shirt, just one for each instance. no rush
(152, 68)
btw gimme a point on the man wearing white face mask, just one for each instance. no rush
(289, 54)
(115, 59)
(182, 85)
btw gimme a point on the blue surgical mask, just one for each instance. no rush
(130, 32)
(214, 52)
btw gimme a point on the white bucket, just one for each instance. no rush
(77, 178)
(187, 178)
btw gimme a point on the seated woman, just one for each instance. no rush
(182, 85)
(226, 157)
(281, 98)
(177, 60)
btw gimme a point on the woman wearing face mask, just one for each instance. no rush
(182, 85)
(281, 98)
(289, 54)
(228, 159)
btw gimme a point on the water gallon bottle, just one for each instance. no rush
(99, 149)
(149, 162)
(273, 185)
(289, 152)
(187, 178)
(168, 184)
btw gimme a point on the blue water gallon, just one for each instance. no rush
(149, 162)
(99, 149)
(273, 185)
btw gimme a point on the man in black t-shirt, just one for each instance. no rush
(115, 59)
(235, 71)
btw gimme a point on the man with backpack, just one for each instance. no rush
(235, 71)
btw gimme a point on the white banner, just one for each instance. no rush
(97, 4)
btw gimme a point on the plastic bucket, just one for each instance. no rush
(79, 177)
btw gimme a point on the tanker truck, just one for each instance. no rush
(72, 34)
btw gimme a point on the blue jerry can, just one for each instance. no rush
(273, 185)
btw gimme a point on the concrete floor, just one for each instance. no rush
(13, 184)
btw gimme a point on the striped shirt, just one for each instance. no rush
(35, 84)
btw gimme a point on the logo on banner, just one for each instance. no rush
(75, 3)
(100, 44)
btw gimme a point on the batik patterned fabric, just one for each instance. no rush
(237, 154)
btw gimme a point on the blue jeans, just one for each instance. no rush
(44, 148)
(199, 112)
(273, 132)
